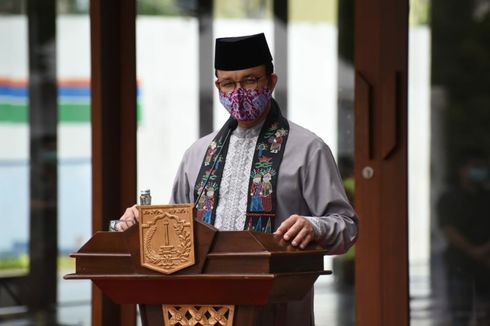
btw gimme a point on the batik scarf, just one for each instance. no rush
(269, 151)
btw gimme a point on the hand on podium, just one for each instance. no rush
(128, 219)
(296, 229)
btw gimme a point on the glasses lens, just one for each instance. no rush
(227, 86)
(249, 83)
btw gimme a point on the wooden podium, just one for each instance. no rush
(235, 272)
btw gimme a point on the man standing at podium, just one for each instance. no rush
(262, 172)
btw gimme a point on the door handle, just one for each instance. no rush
(363, 117)
(391, 116)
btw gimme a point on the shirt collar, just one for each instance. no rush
(248, 132)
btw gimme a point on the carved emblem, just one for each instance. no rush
(166, 237)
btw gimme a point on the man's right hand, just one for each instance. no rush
(130, 217)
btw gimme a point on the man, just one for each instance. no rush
(261, 172)
(464, 220)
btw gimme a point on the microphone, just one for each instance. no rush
(231, 126)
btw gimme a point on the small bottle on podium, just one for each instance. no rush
(145, 197)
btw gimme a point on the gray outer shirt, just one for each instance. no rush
(308, 184)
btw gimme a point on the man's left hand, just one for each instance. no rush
(296, 229)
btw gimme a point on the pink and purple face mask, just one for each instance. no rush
(246, 104)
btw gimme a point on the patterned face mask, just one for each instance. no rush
(246, 104)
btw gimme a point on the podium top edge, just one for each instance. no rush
(163, 277)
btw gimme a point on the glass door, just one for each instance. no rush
(449, 115)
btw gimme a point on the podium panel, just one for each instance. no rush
(234, 273)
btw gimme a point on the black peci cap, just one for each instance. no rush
(242, 52)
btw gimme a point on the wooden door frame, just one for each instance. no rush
(381, 68)
(113, 118)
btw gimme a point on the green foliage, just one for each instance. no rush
(65, 262)
(243, 8)
(73, 7)
(349, 185)
(419, 12)
(315, 11)
(19, 262)
(351, 253)
(166, 7)
(22, 263)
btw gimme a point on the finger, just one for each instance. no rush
(121, 226)
(130, 223)
(286, 225)
(136, 212)
(300, 236)
(294, 230)
(128, 214)
(125, 224)
(307, 239)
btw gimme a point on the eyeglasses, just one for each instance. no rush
(249, 82)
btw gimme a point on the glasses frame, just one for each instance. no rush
(241, 81)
